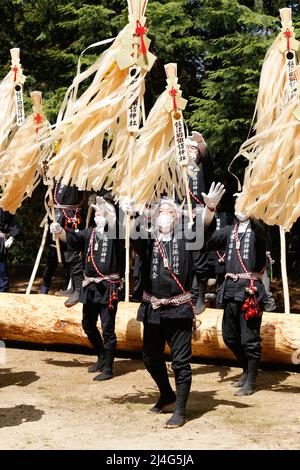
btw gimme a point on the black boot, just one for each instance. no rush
(179, 416)
(167, 395)
(74, 297)
(64, 293)
(99, 364)
(249, 387)
(242, 379)
(107, 371)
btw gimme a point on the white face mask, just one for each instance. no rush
(100, 221)
(165, 223)
(241, 217)
(193, 153)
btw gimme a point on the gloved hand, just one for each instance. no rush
(128, 206)
(55, 228)
(58, 232)
(100, 205)
(92, 199)
(9, 242)
(197, 137)
(214, 195)
(268, 253)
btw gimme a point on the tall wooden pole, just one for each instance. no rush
(175, 105)
(286, 46)
(135, 56)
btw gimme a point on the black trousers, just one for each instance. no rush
(51, 265)
(75, 267)
(178, 334)
(90, 314)
(241, 336)
(4, 283)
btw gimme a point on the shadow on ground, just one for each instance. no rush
(21, 379)
(19, 414)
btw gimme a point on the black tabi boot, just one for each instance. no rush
(242, 379)
(249, 387)
(179, 416)
(99, 364)
(167, 395)
(107, 370)
(64, 293)
(74, 297)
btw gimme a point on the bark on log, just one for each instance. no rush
(44, 319)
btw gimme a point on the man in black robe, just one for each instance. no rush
(8, 231)
(242, 293)
(70, 210)
(170, 260)
(201, 171)
(202, 168)
(103, 271)
(216, 258)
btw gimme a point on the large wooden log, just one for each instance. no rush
(44, 319)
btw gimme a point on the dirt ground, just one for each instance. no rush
(49, 401)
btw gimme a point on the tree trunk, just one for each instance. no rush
(44, 319)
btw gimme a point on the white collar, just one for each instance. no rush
(165, 237)
(243, 226)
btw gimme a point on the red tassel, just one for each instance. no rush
(140, 31)
(15, 70)
(251, 308)
(173, 93)
(287, 34)
(114, 296)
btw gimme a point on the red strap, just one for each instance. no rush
(287, 34)
(171, 272)
(94, 262)
(69, 220)
(15, 70)
(236, 238)
(140, 31)
(195, 198)
(38, 119)
(221, 257)
(173, 93)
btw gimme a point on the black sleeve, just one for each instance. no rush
(140, 239)
(140, 246)
(259, 230)
(218, 240)
(14, 229)
(76, 240)
(208, 169)
(199, 264)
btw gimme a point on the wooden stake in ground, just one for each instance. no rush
(38, 259)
